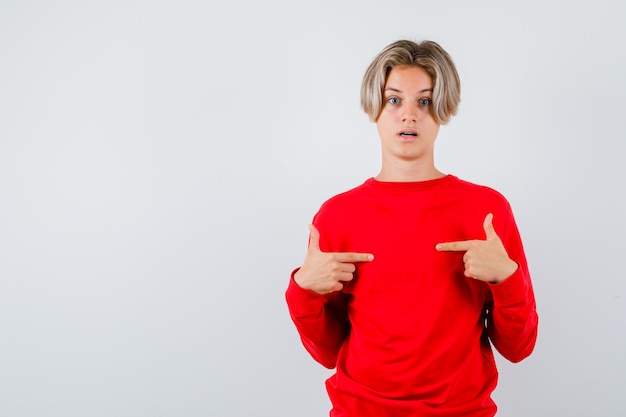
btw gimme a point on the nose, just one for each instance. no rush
(409, 113)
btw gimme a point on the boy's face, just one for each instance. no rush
(406, 126)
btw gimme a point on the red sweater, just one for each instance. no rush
(410, 335)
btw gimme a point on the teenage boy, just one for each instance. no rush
(411, 277)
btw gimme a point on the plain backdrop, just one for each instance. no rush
(160, 162)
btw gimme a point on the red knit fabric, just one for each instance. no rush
(407, 335)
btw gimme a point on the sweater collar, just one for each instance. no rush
(409, 186)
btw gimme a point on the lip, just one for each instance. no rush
(408, 135)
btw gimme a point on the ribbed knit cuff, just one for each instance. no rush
(302, 302)
(512, 290)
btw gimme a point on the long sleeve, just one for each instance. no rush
(513, 322)
(321, 321)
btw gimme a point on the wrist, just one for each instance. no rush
(508, 271)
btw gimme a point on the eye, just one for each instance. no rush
(393, 100)
(425, 102)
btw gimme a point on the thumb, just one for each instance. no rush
(314, 239)
(490, 232)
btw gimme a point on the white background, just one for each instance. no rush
(160, 162)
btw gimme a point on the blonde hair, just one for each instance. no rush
(427, 55)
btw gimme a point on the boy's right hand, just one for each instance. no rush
(325, 272)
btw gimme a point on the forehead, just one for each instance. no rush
(404, 78)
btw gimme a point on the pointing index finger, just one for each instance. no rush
(354, 257)
(459, 246)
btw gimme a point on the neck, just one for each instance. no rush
(408, 171)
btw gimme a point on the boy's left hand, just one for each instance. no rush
(485, 260)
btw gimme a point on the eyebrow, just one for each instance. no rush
(398, 91)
